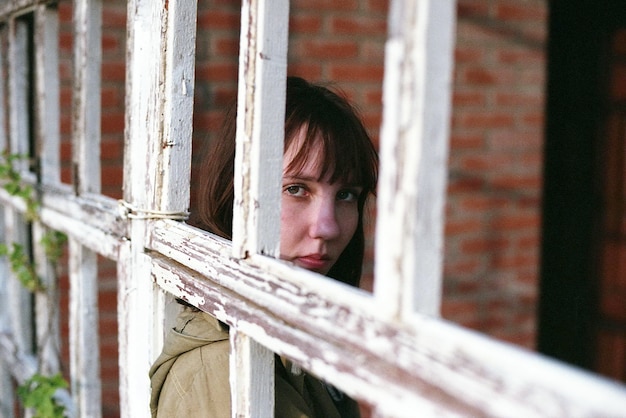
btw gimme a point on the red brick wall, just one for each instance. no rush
(493, 216)
(492, 229)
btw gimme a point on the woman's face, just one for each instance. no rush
(318, 218)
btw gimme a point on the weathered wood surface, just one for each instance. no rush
(86, 119)
(414, 150)
(84, 337)
(334, 331)
(98, 222)
(10, 8)
(47, 309)
(157, 159)
(258, 170)
(260, 126)
(47, 101)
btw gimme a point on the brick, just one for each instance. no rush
(473, 33)
(224, 71)
(219, 19)
(463, 226)
(468, 55)
(481, 245)
(525, 182)
(373, 50)
(374, 97)
(65, 43)
(112, 122)
(355, 72)
(472, 8)
(516, 221)
(485, 162)
(483, 119)
(534, 119)
(465, 184)
(111, 44)
(483, 76)
(380, 6)
(515, 141)
(325, 5)
(355, 25)
(322, 49)
(111, 175)
(464, 140)
(519, 99)
(482, 203)
(114, 18)
(226, 46)
(112, 97)
(452, 309)
(304, 23)
(310, 71)
(112, 150)
(65, 11)
(527, 11)
(469, 98)
(113, 71)
(521, 56)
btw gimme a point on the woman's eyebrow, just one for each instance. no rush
(299, 177)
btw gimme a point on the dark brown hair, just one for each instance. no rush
(347, 151)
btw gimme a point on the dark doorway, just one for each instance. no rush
(582, 310)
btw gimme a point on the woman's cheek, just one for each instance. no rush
(350, 217)
(288, 217)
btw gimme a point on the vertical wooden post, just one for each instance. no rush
(414, 150)
(84, 363)
(157, 160)
(47, 138)
(19, 303)
(87, 20)
(254, 394)
(6, 385)
(83, 272)
(47, 102)
(260, 126)
(258, 173)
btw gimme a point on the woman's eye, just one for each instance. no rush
(348, 196)
(295, 190)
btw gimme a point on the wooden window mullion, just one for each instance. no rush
(47, 139)
(258, 172)
(47, 102)
(83, 262)
(19, 138)
(414, 148)
(157, 159)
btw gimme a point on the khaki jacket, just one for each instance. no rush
(190, 378)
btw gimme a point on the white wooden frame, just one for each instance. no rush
(388, 349)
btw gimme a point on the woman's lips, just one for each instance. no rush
(314, 262)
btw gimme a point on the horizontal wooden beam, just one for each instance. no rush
(334, 331)
(10, 8)
(96, 221)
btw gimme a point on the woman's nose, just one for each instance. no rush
(324, 222)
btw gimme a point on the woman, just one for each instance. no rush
(329, 169)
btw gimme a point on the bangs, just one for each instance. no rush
(338, 141)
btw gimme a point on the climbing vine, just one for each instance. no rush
(38, 391)
(11, 181)
(22, 267)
